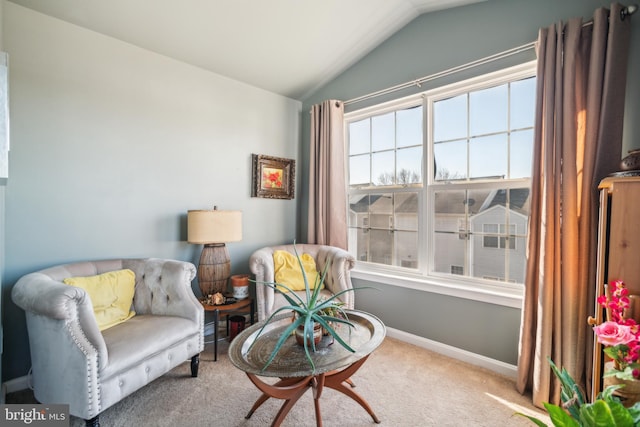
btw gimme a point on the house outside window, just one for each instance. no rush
(439, 182)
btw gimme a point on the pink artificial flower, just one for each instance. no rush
(612, 333)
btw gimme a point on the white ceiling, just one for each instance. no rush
(289, 47)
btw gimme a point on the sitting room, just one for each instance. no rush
(462, 174)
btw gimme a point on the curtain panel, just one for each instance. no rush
(327, 221)
(577, 142)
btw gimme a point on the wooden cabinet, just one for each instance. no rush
(618, 248)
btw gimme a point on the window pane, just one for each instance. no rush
(406, 211)
(490, 241)
(520, 202)
(488, 110)
(383, 132)
(523, 103)
(381, 211)
(518, 260)
(490, 228)
(488, 260)
(359, 137)
(359, 242)
(381, 244)
(359, 170)
(450, 118)
(449, 206)
(450, 251)
(488, 157)
(359, 210)
(382, 168)
(451, 160)
(406, 244)
(409, 165)
(521, 154)
(409, 127)
(476, 199)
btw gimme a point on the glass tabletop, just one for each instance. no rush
(291, 361)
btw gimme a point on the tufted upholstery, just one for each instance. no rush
(74, 363)
(338, 276)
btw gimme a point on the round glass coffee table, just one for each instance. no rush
(334, 365)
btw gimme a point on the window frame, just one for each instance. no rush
(424, 278)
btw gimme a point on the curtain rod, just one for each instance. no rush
(459, 68)
(626, 11)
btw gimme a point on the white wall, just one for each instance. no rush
(112, 144)
(2, 184)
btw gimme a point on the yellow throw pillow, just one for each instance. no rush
(287, 270)
(111, 294)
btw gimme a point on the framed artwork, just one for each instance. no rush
(273, 177)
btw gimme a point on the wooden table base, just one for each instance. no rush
(291, 389)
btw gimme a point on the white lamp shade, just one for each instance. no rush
(204, 227)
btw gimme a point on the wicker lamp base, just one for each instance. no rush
(214, 269)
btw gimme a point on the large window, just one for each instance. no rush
(439, 182)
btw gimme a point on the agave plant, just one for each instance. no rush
(313, 309)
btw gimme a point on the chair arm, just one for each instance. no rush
(46, 298)
(338, 276)
(261, 265)
(163, 287)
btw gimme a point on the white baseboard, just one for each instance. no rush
(503, 368)
(16, 384)
(506, 369)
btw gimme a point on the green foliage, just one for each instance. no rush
(312, 309)
(605, 411)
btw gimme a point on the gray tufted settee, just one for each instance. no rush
(338, 275)
(74, 363)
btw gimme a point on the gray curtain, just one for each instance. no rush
(327, 223)
(577, 142)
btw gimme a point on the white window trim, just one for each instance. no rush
(472, 288)
(506, 294)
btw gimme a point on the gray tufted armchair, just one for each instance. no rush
(338, 276)
(76, 364)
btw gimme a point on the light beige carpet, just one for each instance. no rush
(404, 384)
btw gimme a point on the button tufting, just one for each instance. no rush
(120, 383)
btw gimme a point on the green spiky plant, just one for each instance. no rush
(605, 411)
(313, 309)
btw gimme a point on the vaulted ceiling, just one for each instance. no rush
(289, 47)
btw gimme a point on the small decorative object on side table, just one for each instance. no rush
(242, 306)
(240, 285)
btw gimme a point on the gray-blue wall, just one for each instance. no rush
(430, 44)
(112, 145)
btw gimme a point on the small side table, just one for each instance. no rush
(242, 306)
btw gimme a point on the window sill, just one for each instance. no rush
(499, 295)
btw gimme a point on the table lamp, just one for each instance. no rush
(213, 229)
